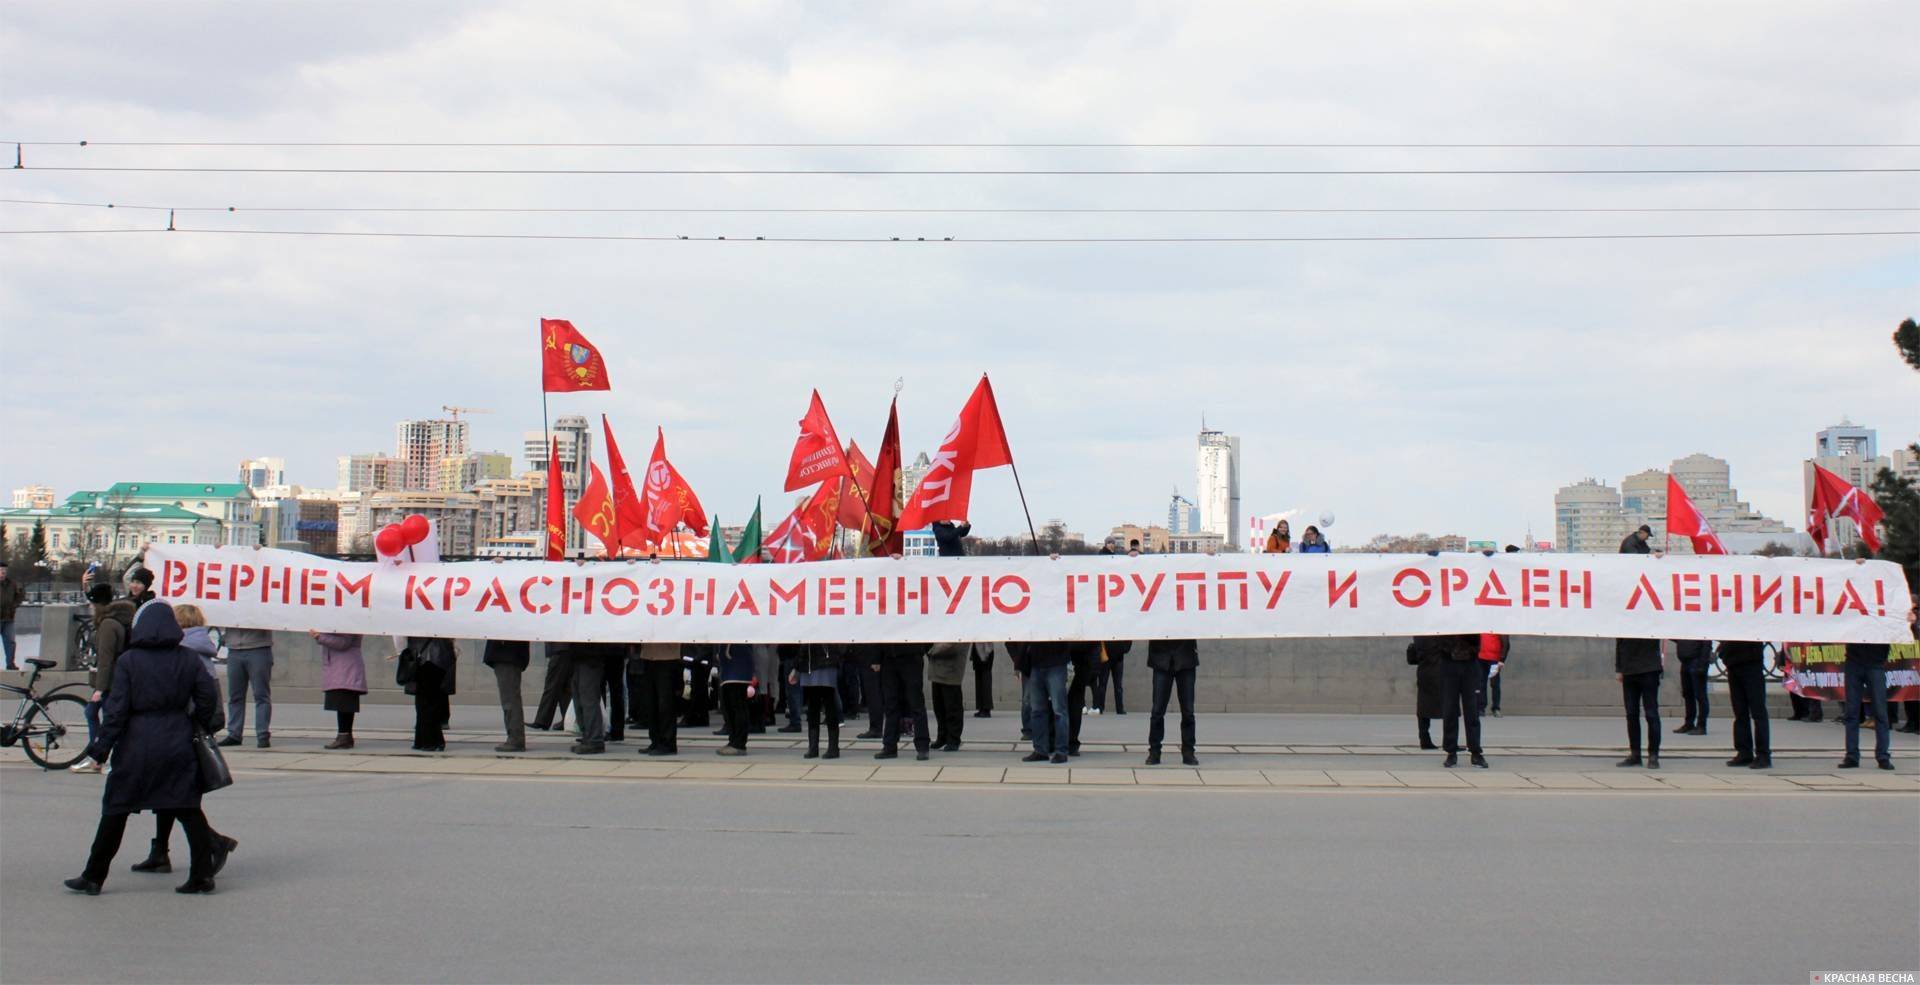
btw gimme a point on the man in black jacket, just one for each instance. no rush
(509, 659)
(902, 670)
(1747, 694)
(982, 659)
(949, 537)
(1636, 542)
(1459, 686)
(1043, 669)
(1085, 659)
(1174, 664)
(1637, 665)
(1112, 671)
(1694, 656)
(1866, 674)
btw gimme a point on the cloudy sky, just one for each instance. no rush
(1444, 386)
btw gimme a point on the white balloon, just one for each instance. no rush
(1326, 519)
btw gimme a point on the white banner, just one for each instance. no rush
(1031, 598)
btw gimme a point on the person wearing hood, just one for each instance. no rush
(195, 637)
(112, 619)
(343, 679)
(432, 684)
(159, 695)
(1314, 542)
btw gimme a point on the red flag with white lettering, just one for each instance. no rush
(977, 441)
(670, 499)
(816, 453)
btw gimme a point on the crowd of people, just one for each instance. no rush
(155, 686)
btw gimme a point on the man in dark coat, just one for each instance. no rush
(432, 687)
(1637, 664)
(1084, 656)
(1174, 663)
(1695, 657)
(1459, 687)
(981, 657)
(949, 537)
(1112, 671)
(11, 595)
(1042, 667)
(556, 689)
(509, 659)
(1747, 695)
(594, 664)
(1866, 674)
(902, 669)
(1425, 653)
(160, 693)
(112, 621)
(1636, 542)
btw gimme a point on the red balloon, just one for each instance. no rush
(415, 529)
(390, 541)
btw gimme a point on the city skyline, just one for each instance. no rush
(1399, 383)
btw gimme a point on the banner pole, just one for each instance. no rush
(1023, 504)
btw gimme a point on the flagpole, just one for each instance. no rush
(546, 431)
(1023, 501)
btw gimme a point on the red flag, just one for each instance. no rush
(669, 499)
(1686, 519)
(881, 535)
(787, 544)
(853, 498)
(1817, 514)
(629, 510)
(595, 511)
(1842, 498)
(568, 361)
(556, 505)
(816, 454)
(976, 442)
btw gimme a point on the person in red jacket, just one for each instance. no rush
(1493, 656)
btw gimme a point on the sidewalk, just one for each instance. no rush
(1328, 752)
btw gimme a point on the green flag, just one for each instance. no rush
(717, 548)
(750, 537)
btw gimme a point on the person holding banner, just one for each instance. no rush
(509, 659)
(1866, 676)
(1459, 690)
(902, 669)
(1637, 664)
(737, 684)
(1695, 656)
(1175, 663)
(814, 668)
(1042, 668)
(1425, 654)
(660, 676)
(1747, 693)
(432, 684)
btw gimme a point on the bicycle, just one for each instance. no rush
(43, 723)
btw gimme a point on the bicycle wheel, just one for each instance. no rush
(56, 731)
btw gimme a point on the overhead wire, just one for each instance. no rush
(982, 145)
(1220, 210)
(953, 172)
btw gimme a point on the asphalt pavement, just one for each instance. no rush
(401, 878)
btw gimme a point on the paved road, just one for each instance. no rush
(416, 878)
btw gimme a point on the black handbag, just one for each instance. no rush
(212, 765)
(406, 668)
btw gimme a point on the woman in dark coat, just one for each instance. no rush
(161, 692)
(1425, 653)
(432, 683)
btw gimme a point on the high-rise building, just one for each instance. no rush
(1183, 517)
(370, 472)
(1850, 452)
(422, 444)
(33, 498)
(911, 475)
(1845, 438)
(259, 473)
(1219, 486)
(461, 473)
(575, 436)
(1588, 518)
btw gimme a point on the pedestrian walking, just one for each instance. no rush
(249, 667)
(160, 694)
(1695, 656)
(509, 659)
(343, 679)
(11, 595)
(1175, 664)
(194, 637)
(1747, 696)
(112, 621)
(1637, 665)
(946, 671)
